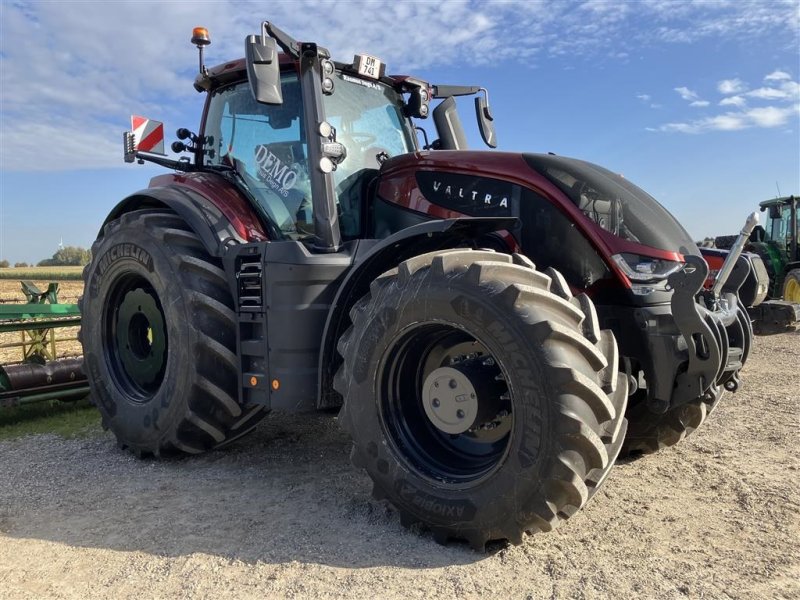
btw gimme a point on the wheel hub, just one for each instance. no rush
(140, 337)
(465, 395)
(450, 400)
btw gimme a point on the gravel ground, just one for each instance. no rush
(282, 514)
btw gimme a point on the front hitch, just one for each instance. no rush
(714, 327)
(704, 340)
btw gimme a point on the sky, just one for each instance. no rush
(697, 102)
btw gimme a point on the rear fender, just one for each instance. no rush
(385, 255)
(216, 231)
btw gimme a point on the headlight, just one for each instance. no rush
(647, 274)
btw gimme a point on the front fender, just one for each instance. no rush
(379, 258)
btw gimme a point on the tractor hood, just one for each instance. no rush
(617, 215)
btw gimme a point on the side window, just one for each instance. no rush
(266, 145)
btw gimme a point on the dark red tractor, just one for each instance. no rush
(489, 324)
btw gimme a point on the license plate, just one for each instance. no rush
(369, 66)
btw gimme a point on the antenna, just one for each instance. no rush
(779, 189)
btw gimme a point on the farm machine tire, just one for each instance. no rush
(791, 286)
(481, 396)
(649, 432)
(159, 338)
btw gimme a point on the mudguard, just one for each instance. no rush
(204, 217)
(385, 255)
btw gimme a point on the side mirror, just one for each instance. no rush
(263, 68)
(775, 212)
(485, 120)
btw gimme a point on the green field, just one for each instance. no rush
(43, 273)
(65, 419)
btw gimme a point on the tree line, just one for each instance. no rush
(63, 257)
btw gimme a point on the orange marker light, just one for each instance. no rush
(276, 385)
(254, 381)
(200, 36)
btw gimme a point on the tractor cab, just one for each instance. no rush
(310, 182)
(267, 145)
(783, 227)
(778, 246)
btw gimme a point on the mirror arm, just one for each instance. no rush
(287, 43)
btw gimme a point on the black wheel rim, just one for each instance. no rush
(461, 459)
(135, 338)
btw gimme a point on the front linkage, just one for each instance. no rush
(695, 354)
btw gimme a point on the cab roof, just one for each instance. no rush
(236, 70)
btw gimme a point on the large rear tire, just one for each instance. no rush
(159, 338)
(482, 398)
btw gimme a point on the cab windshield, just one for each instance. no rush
(369, 121)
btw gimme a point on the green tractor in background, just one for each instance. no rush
(777, 245)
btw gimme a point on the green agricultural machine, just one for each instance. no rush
(777, 245)
(39, 374)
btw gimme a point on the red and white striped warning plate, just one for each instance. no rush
(148, 134)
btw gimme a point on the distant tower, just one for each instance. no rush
(61, 243)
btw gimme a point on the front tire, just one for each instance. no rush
(482, 398)
(649, 432)
(159, 338)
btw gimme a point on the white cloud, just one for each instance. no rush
(643, 97)
(792, 88)
(783, 95)
(77, 79)
(767, 117)
(766, 93)
(686, 93)
(731, 86)
(770, 116)
(688, 22)
(733, 101)
(727, 122)
(777, 76)
(692, 97)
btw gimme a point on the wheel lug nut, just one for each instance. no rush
(453, 384)
(460, 413)
(435, 403)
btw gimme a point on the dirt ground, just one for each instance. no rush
(283, 515)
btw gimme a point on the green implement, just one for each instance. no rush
(40, 375)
